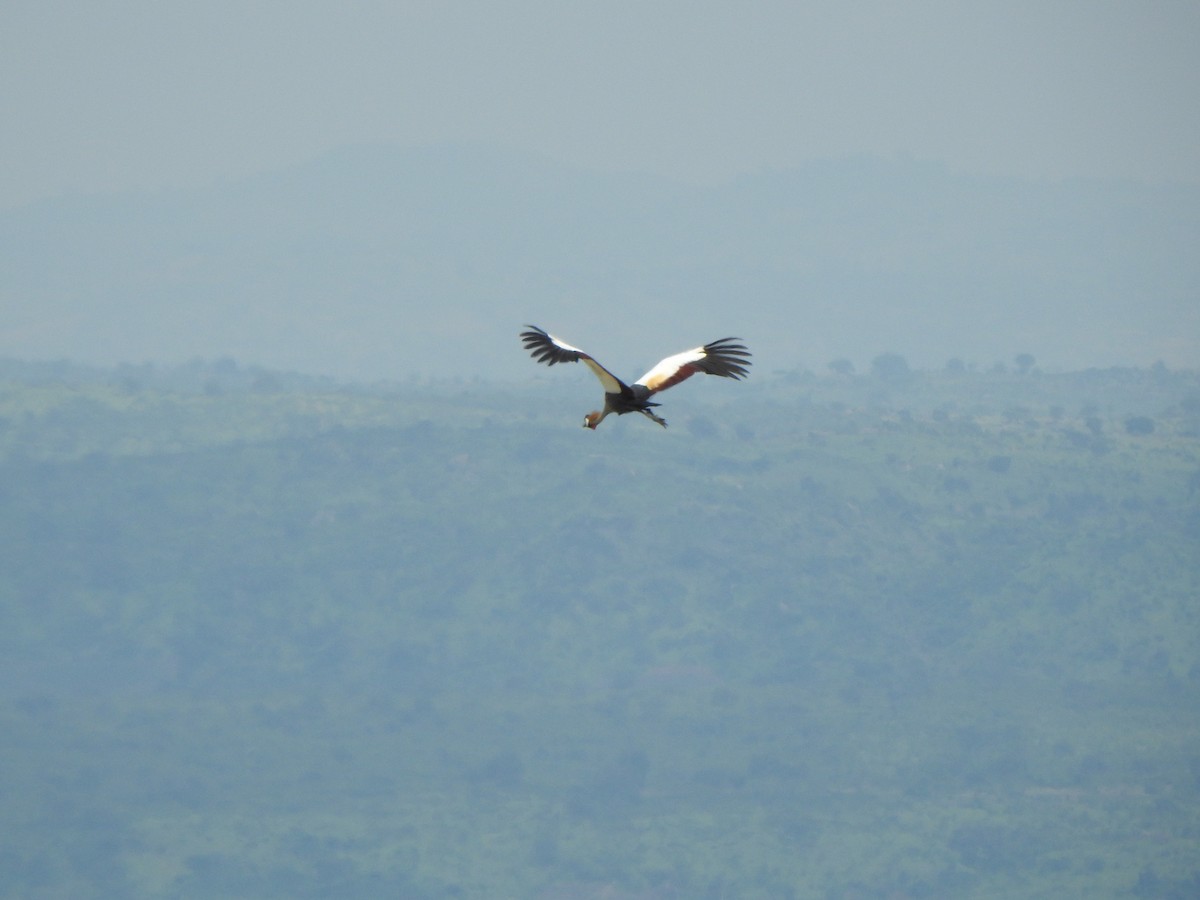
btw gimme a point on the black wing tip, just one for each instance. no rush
(535, 336)
(727, 343)
(542, 348)
(729, 358)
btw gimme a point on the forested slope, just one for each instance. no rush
(925, 635)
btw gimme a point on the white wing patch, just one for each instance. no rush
(660, 377)
(608, 381)
(559, 342)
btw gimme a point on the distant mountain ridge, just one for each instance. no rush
(376, 262)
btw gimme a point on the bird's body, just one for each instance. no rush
(725, 357)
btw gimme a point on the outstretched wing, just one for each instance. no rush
(725, 357)
(546, 348)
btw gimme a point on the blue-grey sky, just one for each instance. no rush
(109, 96)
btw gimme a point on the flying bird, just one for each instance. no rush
(725, 357)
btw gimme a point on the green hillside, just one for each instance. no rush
(902, 635)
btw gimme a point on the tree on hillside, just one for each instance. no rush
(1139, 425)
(890, 367)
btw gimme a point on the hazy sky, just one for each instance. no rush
(111, 95)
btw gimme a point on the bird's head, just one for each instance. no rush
(592, 419)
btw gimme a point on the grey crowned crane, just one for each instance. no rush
(725, 357)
